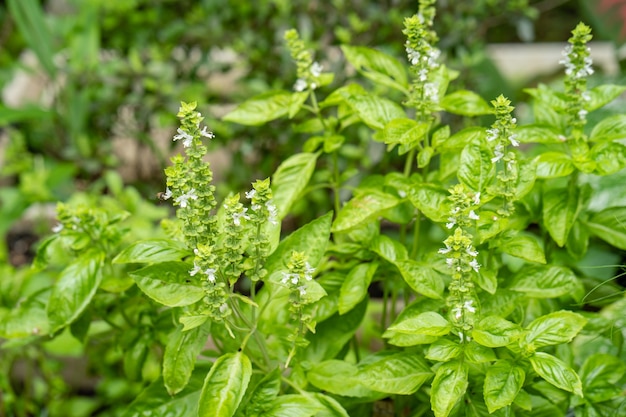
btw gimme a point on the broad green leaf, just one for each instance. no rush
(476, 169)
(333, 142)
(154, 401)
(377, 66)
(449, 386)
(461, 138)
(296, 102)
(600, 376)
(261, 109)
(406, 132)
(477, 353)
(495, 331)
(603, 94)
(503, 382)
(610, 128)
(225, 385)
(443, 350)
(332, 334)
(363, 208)
(526, 178)
(610, 226)
(294, 405)
(29, 318)
(544, 281)
(609, 157)
(556, 372)
(10, 115)
(400, 373)
(263, 393)
(179, 358)
(560, 211)
(338, 377)
(74, 289)
(553, 329)
(431, 200)
(422, 278)
(354, 288)
(135, 357)
(290, 179)
(152, 251)
(538, 134)
(466, 103)
(167, 283)
(374, 111)
(522, 245)
(487, 279)
(553, 165)
(429, 323)
(332, 408)
(387, 248)
(424, 156)
(311, 238)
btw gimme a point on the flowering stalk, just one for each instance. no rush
(501, 135)
(262, 211)
(423, 56)
(461, 260)
(298, 273)
(577, 68)
(309, 72)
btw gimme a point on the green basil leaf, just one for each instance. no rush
(332, 408)
(466, 103)
(225, 385)
(544, 281)
(74, 290)
(179, 358)
(293, 405)
(152, 251)
(377, 66)
(374, 111)
(603, 94)
(166, 283)
(600, 376)
(609, 157)
(460, 139)
(362, 209)
(610, 226)
(429, 323)
(553, 165)
(421, 278)
(400, 373)
(449, 386)
(29, 318)
(290, 179)
(556, 372)
(553, 329)
(431, 200)
(296, 102)
(355, 286)
(264, 392)
(387, 248)
(522, 245)
(261, 109)
(443, 350)
(340, 378)
(495, 331)
(503, 382)
(476, 169)
(610, 128)
(405, 132)
(536, 133)
(560, 210)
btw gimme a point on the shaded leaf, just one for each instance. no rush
(556, 372)
(167, 283)
(225, 385)
(153, 250)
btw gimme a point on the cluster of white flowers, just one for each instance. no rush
(209, 272)
(302, 84)
(183, 200)
(493, 134)
(295, 278)
(187, 138)
(572, 69)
